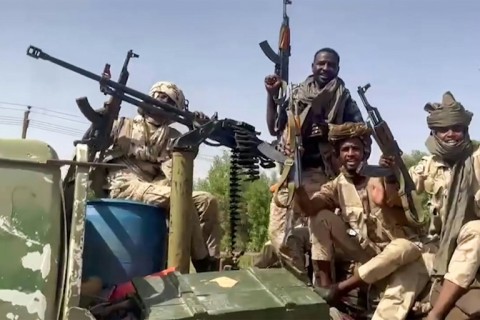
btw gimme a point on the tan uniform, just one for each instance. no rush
(143, 147)
(312, 179)
(432, 175)
(375, 237)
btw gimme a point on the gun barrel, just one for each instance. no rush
(226, 133)
(39, 54)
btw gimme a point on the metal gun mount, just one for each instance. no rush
(243, 166)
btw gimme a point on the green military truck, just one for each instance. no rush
(42, 261)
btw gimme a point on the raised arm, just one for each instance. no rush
(272, 86)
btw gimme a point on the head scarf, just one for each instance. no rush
(446, 114)
(349, 130)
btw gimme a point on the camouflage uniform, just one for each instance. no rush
(451, 178)
(141, 144)
(432, 175)
(376, 236)
(336, 106)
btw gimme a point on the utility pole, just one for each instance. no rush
(26, 122)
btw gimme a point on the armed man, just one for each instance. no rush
(322, 98)
(451, 178)
(140, 143)
(369, 229)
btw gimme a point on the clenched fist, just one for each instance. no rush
(273, 84)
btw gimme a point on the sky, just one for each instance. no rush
(410, 51)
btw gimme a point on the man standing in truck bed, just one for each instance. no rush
(321, 99)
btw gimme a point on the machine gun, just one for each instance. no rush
(382, 134)
(281, 61)
(248, 151)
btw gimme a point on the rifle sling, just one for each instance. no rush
(412, 216)
(294, 126)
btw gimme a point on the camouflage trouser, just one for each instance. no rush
(401, 267)
(465, 260)
(206, 231)
(312, 180)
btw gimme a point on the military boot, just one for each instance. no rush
(203, 265)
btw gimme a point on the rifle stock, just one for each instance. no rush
(382, 134)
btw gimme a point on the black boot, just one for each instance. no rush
(214, 264)
(203, 265)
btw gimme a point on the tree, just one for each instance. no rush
(414, 157)
(254, 207)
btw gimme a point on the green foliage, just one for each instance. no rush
(414, 157)
(476, 143)
(257, 197)
(254, 207)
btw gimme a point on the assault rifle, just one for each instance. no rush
(281, 61)
(98, 136)
(102, 122)
(388, 145)
(230, 133)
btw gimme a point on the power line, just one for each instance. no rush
(38, 108)
(65, 130)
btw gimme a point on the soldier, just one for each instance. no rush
(321, 98)
(367, 230)
(451, 178)
(141, 144)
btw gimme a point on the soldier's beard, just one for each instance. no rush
(322, 80)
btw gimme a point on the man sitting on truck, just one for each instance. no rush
(367, 230)
(140, 143)
(451, 178)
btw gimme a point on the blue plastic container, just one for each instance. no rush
(123, 239)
